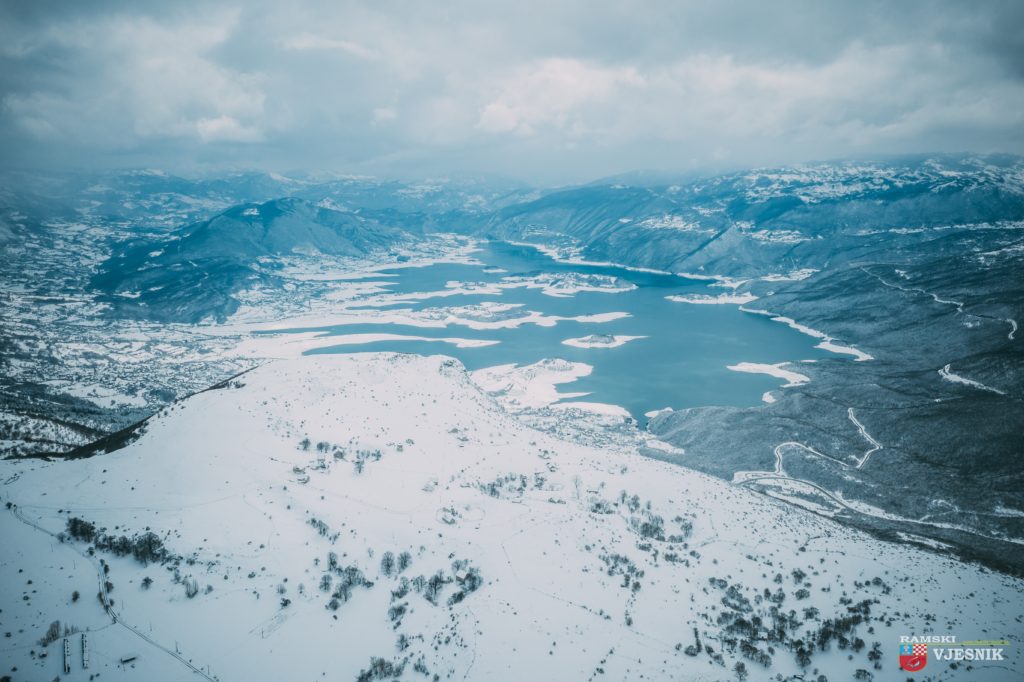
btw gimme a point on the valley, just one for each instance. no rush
(758, 424)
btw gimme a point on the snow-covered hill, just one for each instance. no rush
(194, 272)
(365, 516)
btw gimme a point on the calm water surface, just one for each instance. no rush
(681, 363)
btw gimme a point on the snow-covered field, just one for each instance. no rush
(328, 515)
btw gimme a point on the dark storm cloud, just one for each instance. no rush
(544, 90)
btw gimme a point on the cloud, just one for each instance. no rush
(226, 129)
(546, 91)
(128, 79)
(552, 92)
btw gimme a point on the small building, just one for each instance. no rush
(67, 656)
(85, 651)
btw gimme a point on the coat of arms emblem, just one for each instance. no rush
(913, 657)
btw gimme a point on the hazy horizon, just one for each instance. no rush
(636, 176)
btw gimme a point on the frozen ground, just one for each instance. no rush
(337, 514)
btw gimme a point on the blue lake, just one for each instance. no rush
(682, 362)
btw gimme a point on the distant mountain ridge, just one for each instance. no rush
(734, 224)
(739, 224)
(192, 274)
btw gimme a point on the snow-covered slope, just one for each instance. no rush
(744, 224)
(334, 516)
(194, 272)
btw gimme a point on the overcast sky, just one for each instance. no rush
(551, 91)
